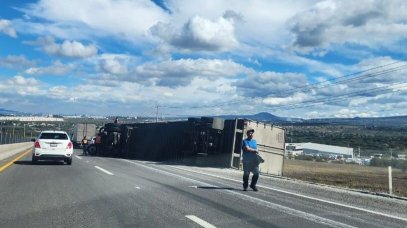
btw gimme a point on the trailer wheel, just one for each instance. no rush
(92, 150)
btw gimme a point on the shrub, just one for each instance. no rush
(304, 157)
(400, 164)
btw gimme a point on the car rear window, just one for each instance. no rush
(53, 136)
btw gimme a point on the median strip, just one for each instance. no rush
(12, 161)
(104, 170)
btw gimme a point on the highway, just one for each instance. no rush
(112, 192)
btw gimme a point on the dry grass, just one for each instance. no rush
(368, 178)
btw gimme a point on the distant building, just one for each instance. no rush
(293, 149)
(321, 150)
(31, 119)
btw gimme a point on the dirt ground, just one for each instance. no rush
(360, 177)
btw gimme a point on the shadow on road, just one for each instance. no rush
(39, 163)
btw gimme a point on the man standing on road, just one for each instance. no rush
(250, 161)
(84, 145)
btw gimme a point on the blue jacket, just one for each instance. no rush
(249, 156)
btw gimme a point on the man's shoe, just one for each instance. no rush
(254, 188)
(244, 189)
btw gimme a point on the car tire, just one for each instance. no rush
(34, 160)
(68, 161)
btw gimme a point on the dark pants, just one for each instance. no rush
(247, 168)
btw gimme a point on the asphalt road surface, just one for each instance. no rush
(109, 192)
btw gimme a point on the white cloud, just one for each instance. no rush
(264, 84)
(348, 113)
(200, 34)
(260, 22)
(115, 64)
(15, 62)
(200, 50)
(57, 68)
(74, 49)
(123, 19)
(367, 22)
(68, 48)
(22, 86)
(173, 73)
(61, 93)
(295, 98)
(6, 28)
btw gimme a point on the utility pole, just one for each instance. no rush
(156, 114)
(359, 151)
(14, 138)
(391, 153)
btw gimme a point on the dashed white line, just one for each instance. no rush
(288, 210)
(78, 157)
(299, 195)
(201, 222)
(104, 170)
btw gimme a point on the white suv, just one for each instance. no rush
(53, 145)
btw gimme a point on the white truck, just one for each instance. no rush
(83, 130)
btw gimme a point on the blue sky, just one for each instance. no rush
(303, 59)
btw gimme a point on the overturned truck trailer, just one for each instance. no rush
(204, 141)
(270, 143)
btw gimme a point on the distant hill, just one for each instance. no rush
(6, 112)
(262, 116)
(400, 121)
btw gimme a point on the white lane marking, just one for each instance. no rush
(288, 210)
(78, 157)
(137, 187)
(201, 222)
(299, 195)
(104, 170)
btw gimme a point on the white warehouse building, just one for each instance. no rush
(321, 150)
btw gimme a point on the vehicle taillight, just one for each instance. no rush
(69, 146)
(37, 144)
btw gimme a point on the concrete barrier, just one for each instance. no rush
(8, 150)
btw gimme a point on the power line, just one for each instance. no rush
(311, 86)
(356, 73)
(383, 90)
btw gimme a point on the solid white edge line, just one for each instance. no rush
(201, 222)
(290, 211)
(78, 157)
(104, 170)
(299, 195)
